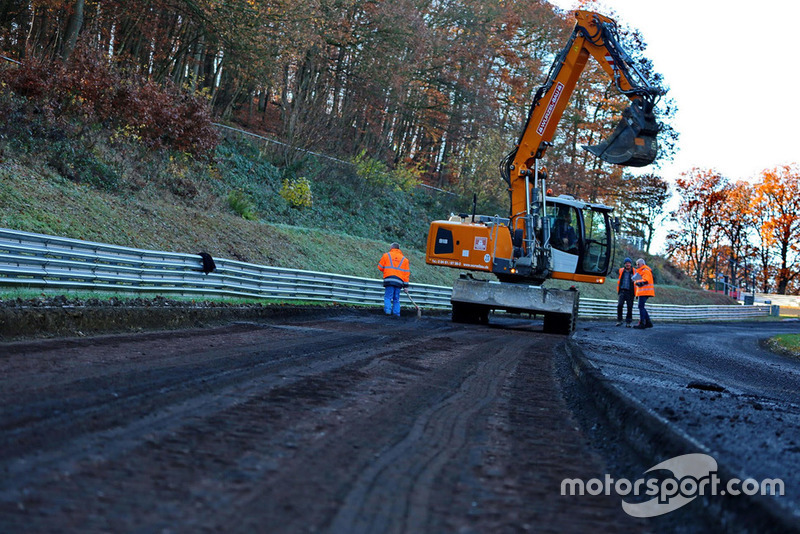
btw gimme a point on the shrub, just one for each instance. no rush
(90, 89)
(297, 192)
(377, 174)
(405, 178)
(242, 205)
(81, 165)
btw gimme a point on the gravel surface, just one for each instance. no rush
(717, 385)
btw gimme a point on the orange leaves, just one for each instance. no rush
(54, 5)
(777, 203)
(782, 185)
(742, 223)
(778, 196)
(703, 191)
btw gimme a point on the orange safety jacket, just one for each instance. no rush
(395, 268)
(621, 269)
(645, 287)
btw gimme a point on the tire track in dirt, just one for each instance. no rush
(393, 494)
(113, 401)
(222, 384)
(347, 424)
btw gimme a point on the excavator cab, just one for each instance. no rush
(633, 142)
(581, 239)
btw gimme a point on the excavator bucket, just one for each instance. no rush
(633, 142)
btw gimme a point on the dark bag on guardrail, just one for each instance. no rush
(208, 262)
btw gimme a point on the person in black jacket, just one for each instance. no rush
(625, 292)
(563, 236)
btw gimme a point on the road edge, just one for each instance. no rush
(652, 437)
(112, 317)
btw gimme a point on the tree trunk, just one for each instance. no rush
(649, 236)
(73, 29)
(198, 61)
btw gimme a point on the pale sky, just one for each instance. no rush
(732, 71)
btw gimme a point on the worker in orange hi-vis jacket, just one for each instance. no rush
(645, 288)
(396, 274)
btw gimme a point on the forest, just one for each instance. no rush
(436, 89)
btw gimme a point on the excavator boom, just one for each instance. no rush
(633, 142)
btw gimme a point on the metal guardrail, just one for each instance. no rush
(39, 260)
(789, 301)
(608, 309)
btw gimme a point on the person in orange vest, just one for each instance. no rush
(645, 288)
(396, 274)
(625, 292)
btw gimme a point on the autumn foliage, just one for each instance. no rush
(778, 199)
(746, 233)
(89, 90)
(417, 85)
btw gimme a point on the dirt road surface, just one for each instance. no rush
(349, 423)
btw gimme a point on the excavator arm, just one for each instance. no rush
(633, 142)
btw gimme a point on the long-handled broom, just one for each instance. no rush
(419, 310)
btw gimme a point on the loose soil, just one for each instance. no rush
(338, 423)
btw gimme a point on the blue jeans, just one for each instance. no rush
(391, 300)
(644, 317)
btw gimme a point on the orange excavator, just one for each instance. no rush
(547, 237)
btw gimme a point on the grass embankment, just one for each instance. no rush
(786, 344)
(232, 207)
(37, 202)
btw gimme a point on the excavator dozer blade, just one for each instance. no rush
(633, 142)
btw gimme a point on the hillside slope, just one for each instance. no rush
(168, 203)
(34, 202)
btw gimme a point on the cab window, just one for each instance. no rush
(597, 244)
(564, 228)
